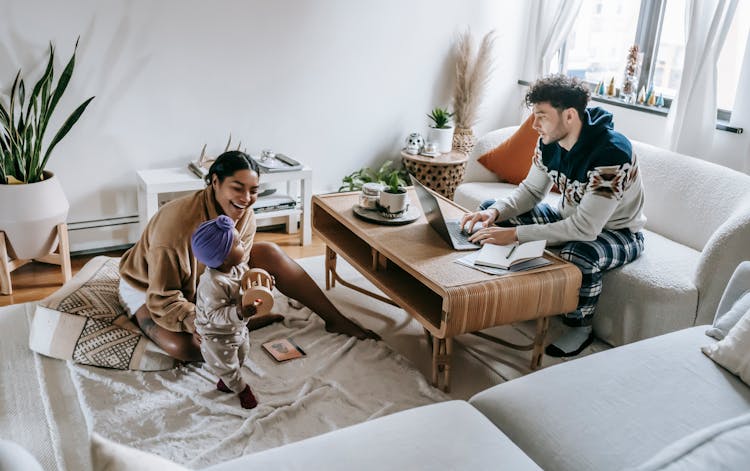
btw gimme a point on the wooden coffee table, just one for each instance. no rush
(414, 267)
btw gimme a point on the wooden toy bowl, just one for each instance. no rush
(257, 285)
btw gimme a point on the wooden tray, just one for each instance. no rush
(373, 215)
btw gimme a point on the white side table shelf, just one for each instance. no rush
(151, 183)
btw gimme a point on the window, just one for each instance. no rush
(730, 59)
(602, 33)
(670, 54)
(604, 30)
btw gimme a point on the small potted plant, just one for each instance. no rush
(441, 130)
(393, 196)
(355, 180)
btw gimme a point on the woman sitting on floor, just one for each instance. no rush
(159, 274)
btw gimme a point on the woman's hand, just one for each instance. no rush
(487, 217)
(190, 323)
(495, 235)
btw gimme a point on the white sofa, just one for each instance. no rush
(698, 230)
(658, 403)
(659, 400)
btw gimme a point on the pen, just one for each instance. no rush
(512, 249)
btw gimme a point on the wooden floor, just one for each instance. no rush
(36, 281)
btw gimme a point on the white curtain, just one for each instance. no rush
(692, 116)
(549, 26)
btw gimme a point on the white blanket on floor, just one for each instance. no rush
(179, 414)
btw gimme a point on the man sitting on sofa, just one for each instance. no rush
(600, 214)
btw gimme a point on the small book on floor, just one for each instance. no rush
(283, 349)
(505, 256)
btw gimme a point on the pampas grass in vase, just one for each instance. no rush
(472, 76)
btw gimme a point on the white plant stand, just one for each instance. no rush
(152, 183)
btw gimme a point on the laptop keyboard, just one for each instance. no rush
(459, 237)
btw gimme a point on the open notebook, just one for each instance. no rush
(506, 256)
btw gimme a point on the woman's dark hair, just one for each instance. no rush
(561, 92)
(229, 162)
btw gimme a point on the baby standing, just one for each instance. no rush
(220, 317)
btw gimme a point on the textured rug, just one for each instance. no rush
(178, 414)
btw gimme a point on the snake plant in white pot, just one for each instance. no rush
(32, 202)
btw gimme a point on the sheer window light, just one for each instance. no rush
(597, 47)
(730, 59)
(598, 44)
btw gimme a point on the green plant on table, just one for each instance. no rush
(394, 184)
(384, 175)
(22, 159)
(441, 117)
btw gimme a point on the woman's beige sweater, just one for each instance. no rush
(162, 264)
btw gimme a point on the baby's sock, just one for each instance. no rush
(222, 387)
(247, 400)
(572, 342)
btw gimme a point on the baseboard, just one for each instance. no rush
(102, 235)
(101, 250)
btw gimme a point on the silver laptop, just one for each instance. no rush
(449, 230)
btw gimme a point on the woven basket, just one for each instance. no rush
(464, 140)
(442, 178)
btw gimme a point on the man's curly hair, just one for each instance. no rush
(561, 92)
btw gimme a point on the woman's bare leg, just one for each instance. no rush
(179, 345)
(294, 282)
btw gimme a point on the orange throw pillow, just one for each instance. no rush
(511, 160)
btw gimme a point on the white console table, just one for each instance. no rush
(151, 183)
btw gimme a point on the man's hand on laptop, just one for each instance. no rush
(486, 218)
(495, 235)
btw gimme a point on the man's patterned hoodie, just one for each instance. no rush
(599, 179)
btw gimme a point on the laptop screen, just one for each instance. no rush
(431, 209)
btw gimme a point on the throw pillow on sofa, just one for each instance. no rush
(733, 353)
(724, 322)
(511, 160)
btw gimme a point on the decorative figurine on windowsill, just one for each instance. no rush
(611, 88)
(641, 96)
(660, 101)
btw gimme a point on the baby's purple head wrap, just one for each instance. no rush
(213, 240)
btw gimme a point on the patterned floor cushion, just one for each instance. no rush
(84, 322)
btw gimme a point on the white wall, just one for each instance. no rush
(336, 84)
